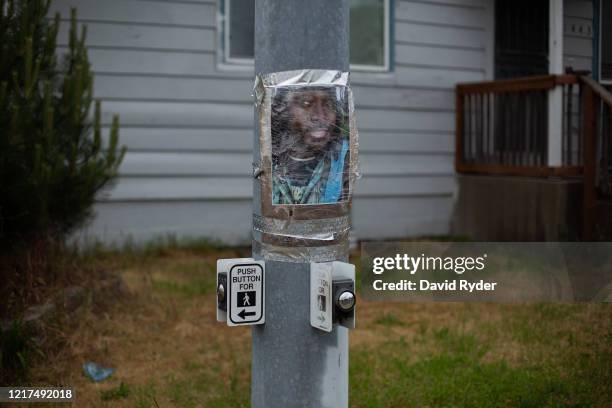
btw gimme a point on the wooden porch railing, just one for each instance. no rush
(502, 129)
(597, 134)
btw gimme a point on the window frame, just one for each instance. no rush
(231, 62)
(386, 67)
(225, 46)
(602, 80)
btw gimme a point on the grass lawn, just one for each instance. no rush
(169, 351)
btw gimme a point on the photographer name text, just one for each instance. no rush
(460, 285)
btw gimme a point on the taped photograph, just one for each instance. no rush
(310, 145)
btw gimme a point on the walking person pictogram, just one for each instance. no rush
(246, 299)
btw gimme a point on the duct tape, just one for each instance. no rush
(300, 254)
(301, 228)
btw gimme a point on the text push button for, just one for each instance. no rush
(246, 294)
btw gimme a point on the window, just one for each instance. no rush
(606, 41)
(369, 40)
(521, 38)
(239, 31)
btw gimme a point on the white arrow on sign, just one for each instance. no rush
(246, 299)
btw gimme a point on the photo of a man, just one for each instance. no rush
(310, 145)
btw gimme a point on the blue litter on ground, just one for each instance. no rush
(96, 372)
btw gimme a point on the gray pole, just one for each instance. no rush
(295, 365)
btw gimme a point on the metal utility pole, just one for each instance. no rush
(295, 365)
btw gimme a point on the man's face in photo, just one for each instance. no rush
(313, 117)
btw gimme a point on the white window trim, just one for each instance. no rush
(607, 81)
(386, 45)
(229, 62)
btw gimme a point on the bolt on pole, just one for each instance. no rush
(295, 365)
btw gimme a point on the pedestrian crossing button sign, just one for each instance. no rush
(320, 296)
(246, 294)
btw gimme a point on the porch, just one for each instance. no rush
(531, 168)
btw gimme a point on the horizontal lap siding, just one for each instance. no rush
(418, 214)
(168, 188)
(150, 13)
(239, 164)
(238, 140)
(578, 34)
(188, 123)
(117, 221)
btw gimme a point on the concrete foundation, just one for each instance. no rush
(603, 224)
(504, 208)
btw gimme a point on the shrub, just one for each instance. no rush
(17, 348)
(52, 158)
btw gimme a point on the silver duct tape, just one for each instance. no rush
(354, 157)
(299, 254)
(259, 90)
(314, 240)
(308, 229)
(263, 101)
(302, 77)
(299, 78)
(323, 236)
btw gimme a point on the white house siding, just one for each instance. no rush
(578, 34)
(187, 121)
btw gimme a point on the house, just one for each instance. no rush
(533, 148)
(180, 74)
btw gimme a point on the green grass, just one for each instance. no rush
(160, 246)
(210, 387)
(122, 391)
(449, 367)
(130, 253)
(459, 377)
(145, 396)
(456, 379)
(443, 366)
(389, 320)
(193, 288)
